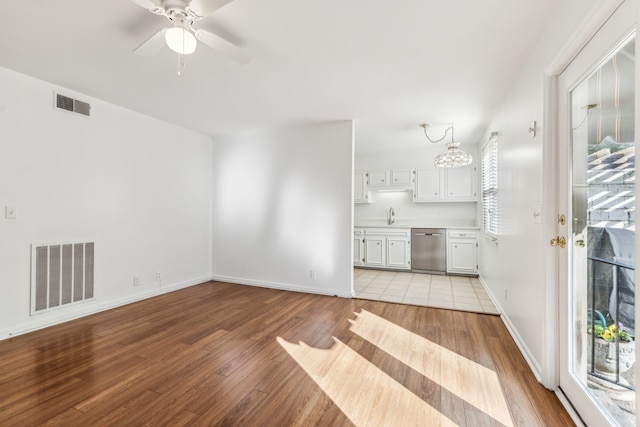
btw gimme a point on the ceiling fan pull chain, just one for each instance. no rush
(180, 64)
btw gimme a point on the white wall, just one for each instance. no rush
(283, 207)
(514, 268)
(140, 188)
(459, 213)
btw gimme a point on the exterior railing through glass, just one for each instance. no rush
(611, 351)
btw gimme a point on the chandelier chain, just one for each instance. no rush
(450, 128)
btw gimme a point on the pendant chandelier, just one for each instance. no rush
(454, 157)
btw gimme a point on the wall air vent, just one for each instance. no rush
(61, 275)
(73, 105)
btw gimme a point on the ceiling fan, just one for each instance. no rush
(182, 37)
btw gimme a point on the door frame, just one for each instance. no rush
(596, 17)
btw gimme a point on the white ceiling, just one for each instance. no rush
(389, 65)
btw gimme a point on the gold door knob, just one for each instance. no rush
(558, 241)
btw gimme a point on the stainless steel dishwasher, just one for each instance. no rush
(429, 250)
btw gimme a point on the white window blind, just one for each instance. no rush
(490, 187)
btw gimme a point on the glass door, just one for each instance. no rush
(597, 304)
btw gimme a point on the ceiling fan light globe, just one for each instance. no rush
(180, 40)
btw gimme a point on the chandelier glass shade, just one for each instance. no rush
(453, 157)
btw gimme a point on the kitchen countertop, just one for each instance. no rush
(416, 223)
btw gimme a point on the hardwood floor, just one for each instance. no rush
(224, 354)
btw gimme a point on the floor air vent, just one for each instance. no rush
(73, 105)
(61, 275)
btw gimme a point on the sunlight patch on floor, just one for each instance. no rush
(465, 378)
(364, 393)
(369, 396)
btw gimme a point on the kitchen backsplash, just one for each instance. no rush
(458, 213)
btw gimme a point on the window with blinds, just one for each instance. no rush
(490, 186)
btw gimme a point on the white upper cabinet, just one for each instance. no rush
(401, 177)
(445, 185)
(360, 188)
(378, 178)
(429, 185)
(461, 184)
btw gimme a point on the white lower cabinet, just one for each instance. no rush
(462, 252)
(383, 248)
(358, 247)
(374, 251)
(398, 250)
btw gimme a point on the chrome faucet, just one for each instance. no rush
(392, 216)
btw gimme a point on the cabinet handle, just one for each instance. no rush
(378, 243)
(391, 243)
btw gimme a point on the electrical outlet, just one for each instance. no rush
(10, 212)
(158, 276)
(136, 281)
(505, 294)
(314, 275)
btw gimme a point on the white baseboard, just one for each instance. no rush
(524, 349)
(187, 283)
(91, 307)
(282, 287)
(569, 407)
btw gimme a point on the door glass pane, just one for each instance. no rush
(601, 243)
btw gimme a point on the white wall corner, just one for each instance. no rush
(338, 292)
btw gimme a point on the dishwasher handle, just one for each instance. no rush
(429, 234)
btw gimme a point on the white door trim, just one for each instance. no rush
(596, 17)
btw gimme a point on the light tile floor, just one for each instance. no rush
(450, 292)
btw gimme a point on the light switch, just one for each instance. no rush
(10, 212)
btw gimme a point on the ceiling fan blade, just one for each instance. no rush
(153, 6)
(153, 44)
(204, 8)
(147, 4)
(223, 46)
